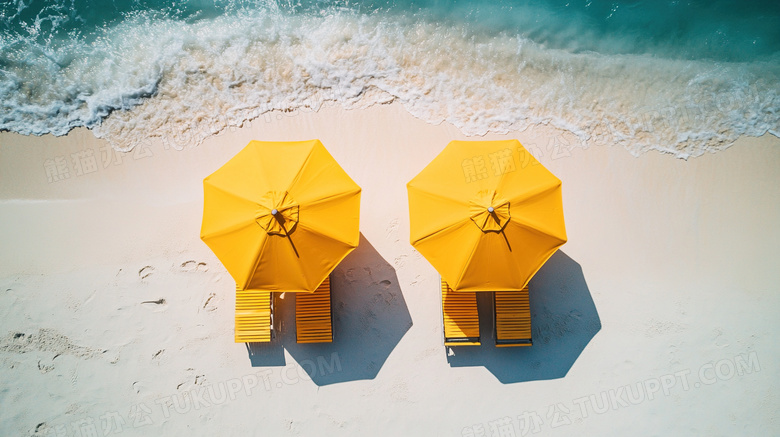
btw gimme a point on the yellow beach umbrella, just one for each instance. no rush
(486, 214)
(280, 215)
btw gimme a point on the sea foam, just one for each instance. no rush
(152, 75)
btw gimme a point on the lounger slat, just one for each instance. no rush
(460, 317)
(313, 321)
(253, 316)
(513, 318)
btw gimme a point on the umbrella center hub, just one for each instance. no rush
(489, 214)
(277, 213)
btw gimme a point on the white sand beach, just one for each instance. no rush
(657, 317)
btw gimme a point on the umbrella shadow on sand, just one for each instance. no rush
(370, 317)
(563, 320)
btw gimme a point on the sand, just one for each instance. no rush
(658, 317)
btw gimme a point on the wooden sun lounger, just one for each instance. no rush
(461, 320)
(313, 321)
(512, 318)
(253, 316)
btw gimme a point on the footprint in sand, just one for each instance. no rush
(45, 368)
(42, 429)
(139, 387)
(210, 304)
(194, 266)
(145, 272)
(391, 232)
(199, 380)
(400, 261)
(160, 301)
(156, 306)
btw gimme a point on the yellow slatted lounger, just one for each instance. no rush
(253, 316)
(461, 320)
(313, 322)
(512, 318)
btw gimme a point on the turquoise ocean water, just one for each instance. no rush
(683, 77)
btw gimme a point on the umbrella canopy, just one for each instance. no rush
(280, 215)
(486, 214)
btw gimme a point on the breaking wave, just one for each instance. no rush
(142, 70)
